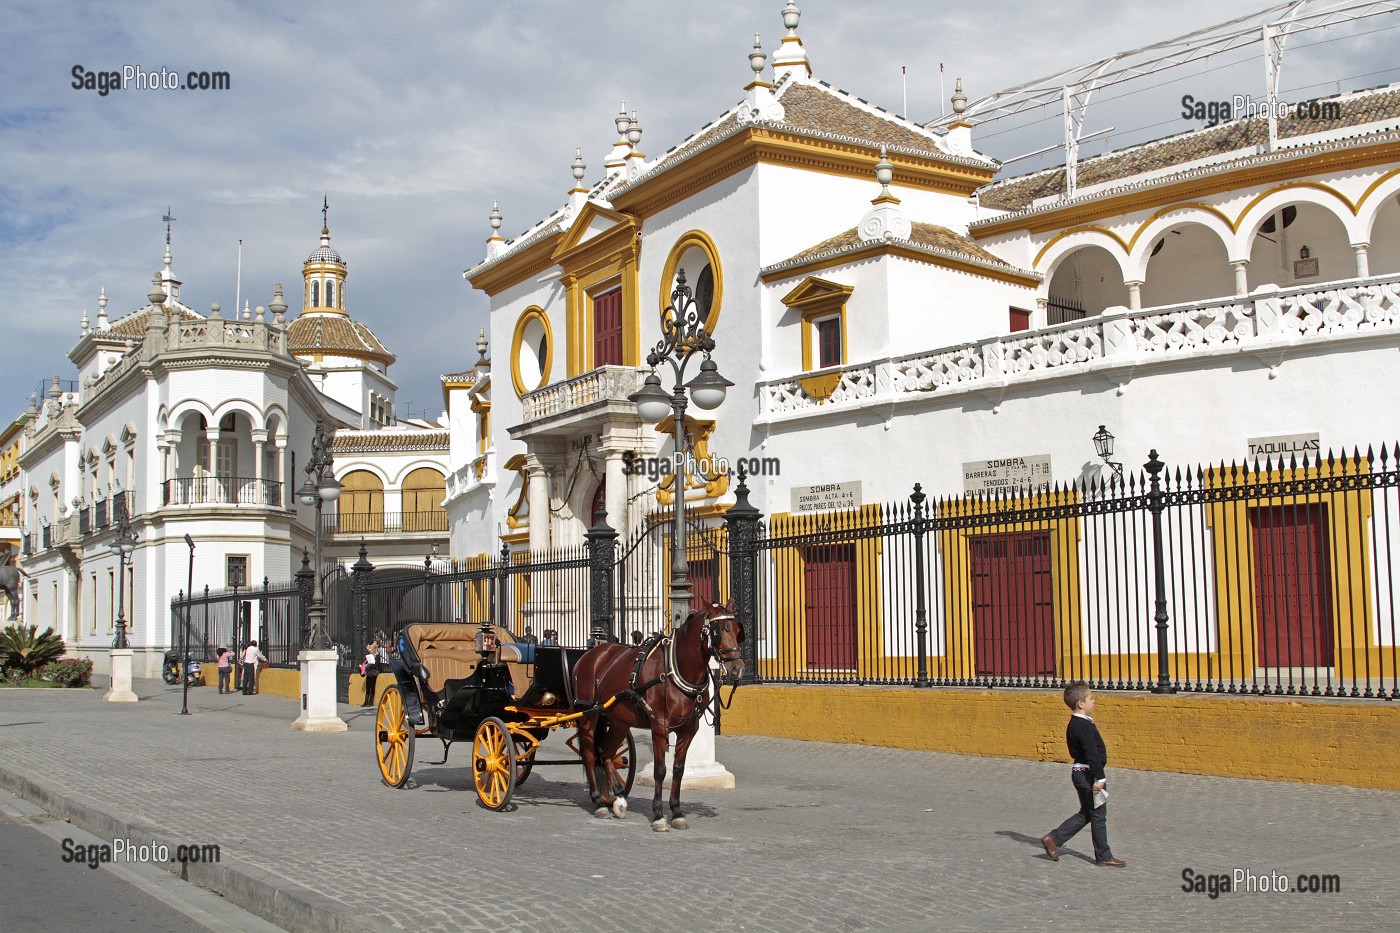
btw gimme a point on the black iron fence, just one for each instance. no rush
(1266, 577)
(274, 614)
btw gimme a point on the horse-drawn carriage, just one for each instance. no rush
(456, 682)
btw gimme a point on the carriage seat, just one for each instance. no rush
(447, 651)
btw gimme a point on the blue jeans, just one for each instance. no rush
(1097, 819)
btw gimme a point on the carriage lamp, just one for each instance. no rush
(320, 487)
(486, 639)
(1103, 444)
(122, 548)
(1304, 253)
(683, 338)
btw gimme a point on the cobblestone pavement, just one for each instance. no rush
(815, 837)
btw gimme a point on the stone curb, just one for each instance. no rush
(276, 900)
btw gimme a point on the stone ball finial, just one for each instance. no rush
(959, 98)
(215, 308)
(884, 171)
(757, 58)
(156, 296)
(495, 217)
(54, 390)
(634, 130)
(791, 15)
(620, 121)
(578, 167)
(278, 306)
(102, 298)
(481, 343)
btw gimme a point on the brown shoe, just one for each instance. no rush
(1112, 863)
(1051, 849)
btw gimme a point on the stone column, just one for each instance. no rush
(538, 497)
(615, 495)
(1042, 313)
(211, 478)
(1134, 296)
(260, 491)
(1363, 262)
(121, 678)
(1241, 268)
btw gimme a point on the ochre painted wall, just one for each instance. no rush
(1351, 742)
(279, 682)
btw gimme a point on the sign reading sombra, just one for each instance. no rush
(829, 497)
(1031, 473)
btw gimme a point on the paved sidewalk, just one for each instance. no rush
(815, 837)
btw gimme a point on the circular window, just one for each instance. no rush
(532, 351)
(696, 256)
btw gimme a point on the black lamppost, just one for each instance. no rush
(1103, 443)
(320, 487)
(122, 547)
(683, 336)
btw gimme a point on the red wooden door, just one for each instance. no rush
(607, 329)
(829, 578)
(1013, 610)
(1292, 586)
(704, 581)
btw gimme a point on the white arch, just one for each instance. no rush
(412, 465)
(1049, 262)
(1249, 223)
(1147, 237)
(344, 468)
(1375, 202)
(189, 406)
(245, 406)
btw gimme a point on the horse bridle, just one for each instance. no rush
(709, 638)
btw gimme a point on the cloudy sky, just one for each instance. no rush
(412, 117)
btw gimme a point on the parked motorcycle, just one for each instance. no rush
(194, 671)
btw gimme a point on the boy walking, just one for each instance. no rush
(1087, 750)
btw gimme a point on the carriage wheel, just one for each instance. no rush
(393, 739)
(493, 764)
(626, 764)
(524, 758)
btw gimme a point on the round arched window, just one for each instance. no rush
(532, 351)
(695, 255)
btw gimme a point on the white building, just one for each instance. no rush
(200, 425)
(891, 311)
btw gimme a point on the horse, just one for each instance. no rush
(9, 582)
(662, 685)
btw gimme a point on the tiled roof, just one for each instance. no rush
(827, 109)
(467, 376)
(134, 324)
(334, 334)
(389, 440)
(931, 238)
(1247, 135)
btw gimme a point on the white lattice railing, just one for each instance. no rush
(604, 384)
(1116, 337)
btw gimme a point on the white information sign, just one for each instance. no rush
(1285, 447)
(828, 497)
(1007, 473)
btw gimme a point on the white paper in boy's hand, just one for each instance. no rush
(1100, 797)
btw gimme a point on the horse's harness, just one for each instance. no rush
(669, 670)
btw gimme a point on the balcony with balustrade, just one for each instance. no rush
(1266, 322)
(223, 491)
(580, 404)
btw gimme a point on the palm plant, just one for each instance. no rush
(25, 651)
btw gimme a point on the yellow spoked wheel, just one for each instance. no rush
(626, 764)
(493, 764)
(524, 758)
(393, 739)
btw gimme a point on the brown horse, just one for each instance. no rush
(662, 685)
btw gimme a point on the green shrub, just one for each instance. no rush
(26, 652)
(68, 672)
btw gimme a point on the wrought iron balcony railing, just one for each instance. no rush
(222, 490)
(384, 523)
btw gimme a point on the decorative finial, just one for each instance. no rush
(214, 312)
(277, 306)
(620, 121)
(792, 14)
(634, 130)
(325, 214)
(54, 390)
(481, 343)
(169, 219)
(495, 219)
(83, 324)
(884, 172)
(578, 167)
(102, 300)
(757, 58)
(156, 295)
(33, 405)
(959, 99)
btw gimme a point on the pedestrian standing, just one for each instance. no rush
(251, 658)
(225, 659)
(370, 669)
(1087, 751)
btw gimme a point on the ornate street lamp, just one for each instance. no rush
(683, 337)
(320, 487)
(122, 548)
(1103, 443)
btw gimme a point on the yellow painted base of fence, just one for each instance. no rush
(1349, 742)
(283, 682)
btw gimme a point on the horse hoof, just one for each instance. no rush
(619, 808)
(660, 826)
(680, 822)
(602, 813)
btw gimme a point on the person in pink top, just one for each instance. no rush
(225, 657)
